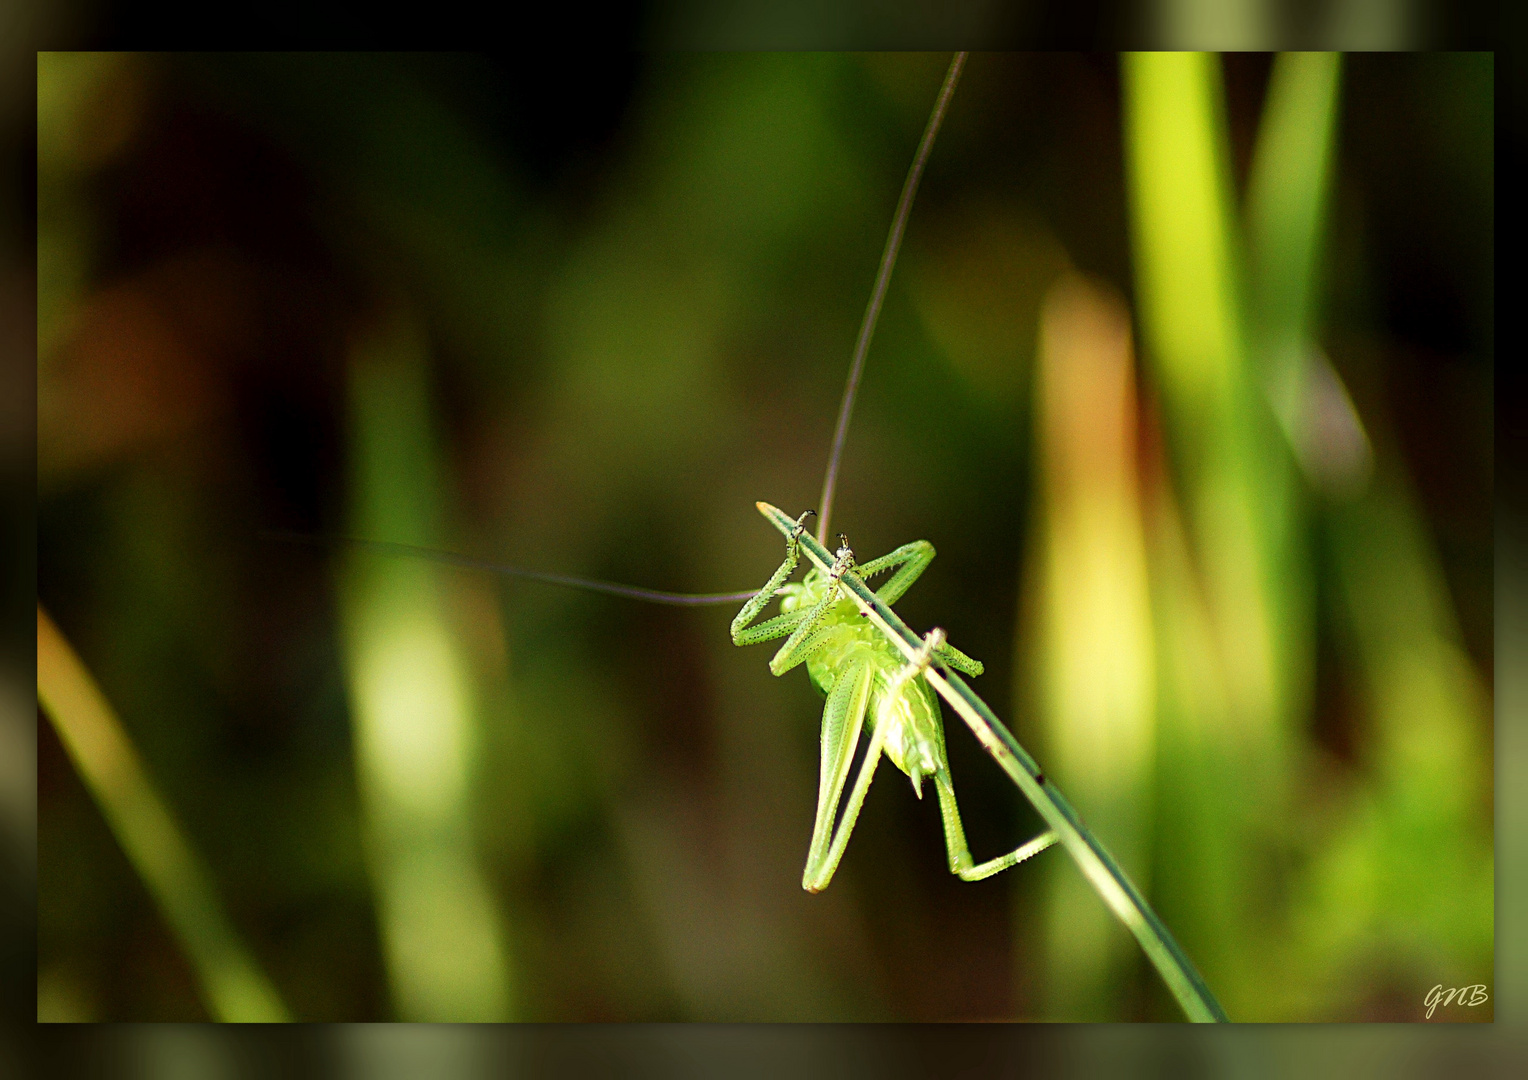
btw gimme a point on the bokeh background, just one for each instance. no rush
(1194, 400)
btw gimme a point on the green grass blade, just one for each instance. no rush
(236, 990)
(1097, 865)
(415, 710)
(1089, 642)
(1287, 198)
(1287, 205)
(1231, 674)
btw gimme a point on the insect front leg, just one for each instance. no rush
(780, 625)
(812, 633)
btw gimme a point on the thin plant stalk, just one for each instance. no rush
(878, 292)
(235, 988)
(1094, 860)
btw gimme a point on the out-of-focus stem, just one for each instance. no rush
(236, 989)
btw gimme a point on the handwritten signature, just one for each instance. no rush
(1464, 995)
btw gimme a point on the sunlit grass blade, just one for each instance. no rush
(414, 711)
(1226, 459)
(1091, 664)
(1094, 860)
(1288, 194)
(1188, 269)
(1286, 213)
(235, 988)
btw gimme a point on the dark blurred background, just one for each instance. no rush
(578, 315)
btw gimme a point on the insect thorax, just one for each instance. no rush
(914, 736)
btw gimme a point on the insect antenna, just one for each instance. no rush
(878, 292)
(633, 592)
(840, 431)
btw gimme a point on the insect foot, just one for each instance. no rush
(792, 541)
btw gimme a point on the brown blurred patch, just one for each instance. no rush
(148, 362)
(1089, 408)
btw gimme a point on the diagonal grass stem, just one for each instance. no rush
(235, 988)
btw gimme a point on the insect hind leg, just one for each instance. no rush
(966, 665)
(843, 718)
(961, 863)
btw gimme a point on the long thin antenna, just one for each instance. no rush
(878, 294)
(388, 547)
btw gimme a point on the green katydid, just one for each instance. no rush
(863, 674)
(853, 663)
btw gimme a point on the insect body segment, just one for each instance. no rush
(866, 679)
